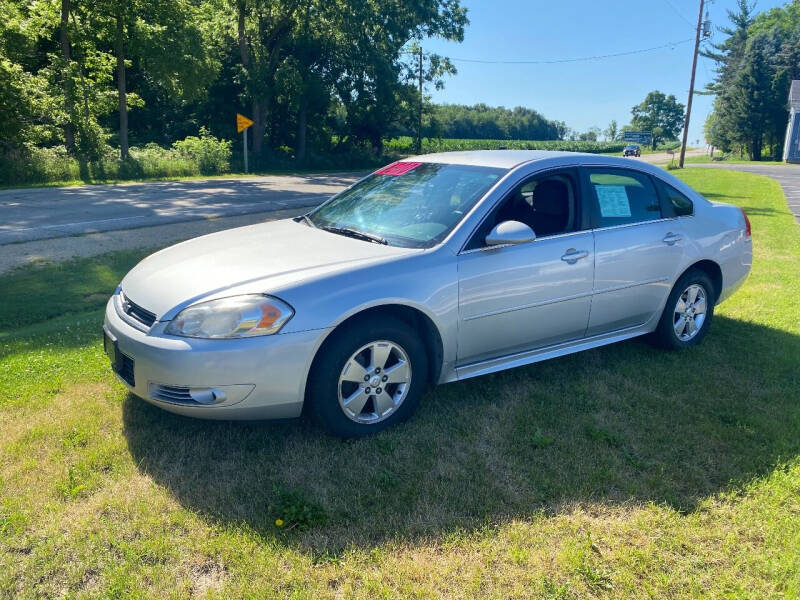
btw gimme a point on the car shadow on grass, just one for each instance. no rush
(624, 423)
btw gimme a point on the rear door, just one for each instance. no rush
(638, 248)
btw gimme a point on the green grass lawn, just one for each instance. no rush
(620, 472)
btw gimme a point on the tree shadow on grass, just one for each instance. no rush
(617, 424)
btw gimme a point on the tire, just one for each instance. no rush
(343, 377)
(677, 317)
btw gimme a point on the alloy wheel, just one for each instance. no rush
(374, 382)
(690, 312)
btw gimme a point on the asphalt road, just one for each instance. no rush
(664, 157)
(787, 175)
(44, 213)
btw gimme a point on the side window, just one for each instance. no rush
(680, 205)
(545, 203)
(621, 196)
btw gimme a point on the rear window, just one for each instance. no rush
(677, 202)
(622, 197)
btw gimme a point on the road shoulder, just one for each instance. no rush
(56, 250)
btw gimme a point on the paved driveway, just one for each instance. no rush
(42, 213)
(787, 175)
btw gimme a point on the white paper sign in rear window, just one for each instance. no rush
(613, 200)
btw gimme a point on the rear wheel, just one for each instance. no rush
(688, 313)
(368, 376)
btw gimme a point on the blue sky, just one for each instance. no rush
(582, 94)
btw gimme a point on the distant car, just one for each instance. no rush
(434, 269)
(632, 150)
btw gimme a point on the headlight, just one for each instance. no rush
(234, 317)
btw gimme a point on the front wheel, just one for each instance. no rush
(368, 376)
(688, 313)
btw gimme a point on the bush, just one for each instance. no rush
(210, 154)
(666, 146)
(153, 161)
(193, 156)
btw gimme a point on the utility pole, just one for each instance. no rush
(691, 84)
(244, 133)
(419, 122)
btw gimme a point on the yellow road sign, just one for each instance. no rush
(242, 123)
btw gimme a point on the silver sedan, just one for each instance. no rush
(427, 271)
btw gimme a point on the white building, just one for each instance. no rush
(791, 147)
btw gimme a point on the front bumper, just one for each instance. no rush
(260, 378)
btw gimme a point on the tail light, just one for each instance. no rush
(747, 230)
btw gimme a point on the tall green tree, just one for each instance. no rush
(755, 66)
(612, 131)
(264, 29)
(729, 53)
(752, 97)
(20, 89)
(159, 38)
(660, 114)
(370, 49)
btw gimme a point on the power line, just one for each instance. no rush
(569, 60)
(679, 13)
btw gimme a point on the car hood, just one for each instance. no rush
(262, 258)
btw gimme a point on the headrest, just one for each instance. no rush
(551, 197)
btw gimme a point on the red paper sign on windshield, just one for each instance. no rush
(398, 168)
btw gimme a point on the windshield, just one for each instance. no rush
(409, 204)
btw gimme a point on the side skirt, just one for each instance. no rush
(528, 357)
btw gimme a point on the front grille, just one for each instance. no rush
(172, 393)
(125, 369)
(135, 311)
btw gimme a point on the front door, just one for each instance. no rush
(525, 296)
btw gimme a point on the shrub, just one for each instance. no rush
(210, 154)
(665, 146)
(151, 160)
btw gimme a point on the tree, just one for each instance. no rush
(611, 131)
(660, 114)
(755, 66)
(480, 121)
(590, 135)
(752, 97)
(374, 49)
(730, 52)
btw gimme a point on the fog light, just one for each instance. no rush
(207, 395)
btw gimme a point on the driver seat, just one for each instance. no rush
(550, 207)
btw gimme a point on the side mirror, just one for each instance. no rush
(510, 232)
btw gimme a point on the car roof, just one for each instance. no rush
(503, 159)
(508, 159)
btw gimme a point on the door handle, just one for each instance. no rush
(671, 238)
(572, 256)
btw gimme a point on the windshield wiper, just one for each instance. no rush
(307, 220)
(359, 235)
